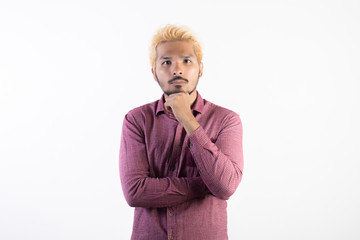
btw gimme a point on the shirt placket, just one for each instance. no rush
(171, 223)
(171, 211)
(177, 145)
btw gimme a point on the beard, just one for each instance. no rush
(178, 87)
(178, 91)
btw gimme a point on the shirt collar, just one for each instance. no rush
(197, 106)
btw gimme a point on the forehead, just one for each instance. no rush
(175, 48)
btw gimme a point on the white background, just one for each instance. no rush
(71, 70)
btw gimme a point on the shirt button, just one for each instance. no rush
(201, 170)
(171, 237)
(170, 214)
(190, 145)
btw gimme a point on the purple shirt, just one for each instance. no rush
(177, 183)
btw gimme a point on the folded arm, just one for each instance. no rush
(141, 190)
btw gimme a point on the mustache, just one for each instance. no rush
(177, 78)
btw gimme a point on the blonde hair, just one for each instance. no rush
(173, 33)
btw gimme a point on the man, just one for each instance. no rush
(181, 156)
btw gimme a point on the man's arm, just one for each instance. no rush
(220, 164)
(140, 190)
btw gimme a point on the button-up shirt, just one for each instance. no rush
(179, 183)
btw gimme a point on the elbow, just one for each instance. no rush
(136, 199)
(225, 191)
(224, 194)
(132, 193)
(132, 201)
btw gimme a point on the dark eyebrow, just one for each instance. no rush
(165, 57)
(187, 56)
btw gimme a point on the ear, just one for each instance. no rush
(201, 66)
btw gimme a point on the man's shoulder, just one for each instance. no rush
(220, 116)
(213, 108)
(144, 111)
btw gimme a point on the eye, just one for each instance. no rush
(187, 61)
(166, 62)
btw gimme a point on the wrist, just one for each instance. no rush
(190, 126)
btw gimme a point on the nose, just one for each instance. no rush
(177, 70)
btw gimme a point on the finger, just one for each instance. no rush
(178, 94)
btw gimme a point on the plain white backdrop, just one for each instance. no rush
(71, 70)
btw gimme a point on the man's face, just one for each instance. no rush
(176, 67)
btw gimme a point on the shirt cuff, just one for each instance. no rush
(199, 136)
(197, 188)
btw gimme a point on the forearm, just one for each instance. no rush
(161, 192)
(190, 124)
(220, 164)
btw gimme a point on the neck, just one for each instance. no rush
(193, 97)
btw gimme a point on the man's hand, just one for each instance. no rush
(180, 105)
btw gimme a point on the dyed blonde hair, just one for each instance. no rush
(174, 33)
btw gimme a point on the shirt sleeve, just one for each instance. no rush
(141, 190)
(220, 163)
